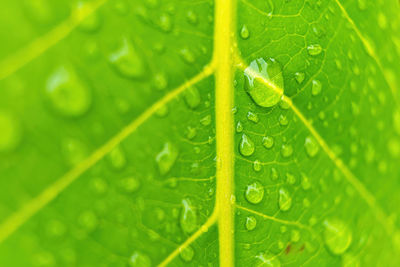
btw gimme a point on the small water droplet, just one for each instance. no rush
(244, 32)
(117, 158)
(266, 93)
(129, 184)
(67, 94)
(283, 120)
(99, 185)
(268, 142)
(191, 133)
(290, 178)
(314, 49)
(186, 254)
(285, 200)
(257, 165)
(188, 217)
(274, 174)
(268, 259)
(206, 120)
(286, 150)
(126, 60)
(295, 236)
(139, 259)
(165, 23)
(74, 151)
(239, 127)
(192, 97)
(88, 220)
(337, 236)
(251, 223)
(316, 87)
(166, 158)
(305, 182)
(191, 17)
(187, 55)
(251, 116)
(246, 146)
(362, 4)
(254, 192)
(10, 132)
(299, 76)
(311, 146)
(160, 81)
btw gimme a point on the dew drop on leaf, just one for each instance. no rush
(257, 165)
(129, 184)
(139, 259)
(191, 17)
(246, 146)
(166, 158)
(117, 158)
(251, 223)
(286, 150)
(192, 97)
(88, 220)
(337, 236)
(316, 87)
(267, 259)
(268, 142)
(314, 49)
(74, 151)
(299, 76)
(127, 61)
(188, 217)
(251, 116)
(283, 120)
(264, 94)
(206, 120)
(305, 182)
(285, 200)
(254, 192)
(67, 94)
(311, 146)
(244, 32)
(165, 22)
(295, 236)
(186, 254)
(187, 55)
(274, 174)
(239, 127)
(10, 132)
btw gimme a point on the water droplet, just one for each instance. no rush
(186, 253)
(129, 184)
(268, 142)
(239, 127)
(299, 76)
(283, 120)
(285, 200)
(290, 178)
(160, 81)
(362, 4)
(246, 146)
(74, 151)
(67, 94)
(254, 192)
(188, 218)
(286, 150)
(244, 32)
(89, 24)
(88, 220)
(311, 146)
(117, 158)
(192, 97)
(268, 92)
(337, 236)
(187, 55)
(99, 185)
(139, 259)
(316, 87)
(191, 133)
(10, 132)
(127, 61)
(267, 259)
(274, 174)
(166, 158)
(251, 116)
(382, 21)
(206, 120)
(314, 49)
(165, 22)
(251, 223)
(295, 236)
(257, 165)
(191, 17)
(305, 182)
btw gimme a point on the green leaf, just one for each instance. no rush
(199, 132)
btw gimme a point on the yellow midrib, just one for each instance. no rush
(223, 58)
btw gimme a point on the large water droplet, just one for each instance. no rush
(188, 218)
(10, 132)
(187, 253)
(337, 236)
(268, 92)
(67, 94)
(139, 259)
(246, 146)
(251, 223)
(285, 200)
(166, 158)
(192, 97)
(127, 61)
(254, 192)
(268, 142)
(311, 146)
